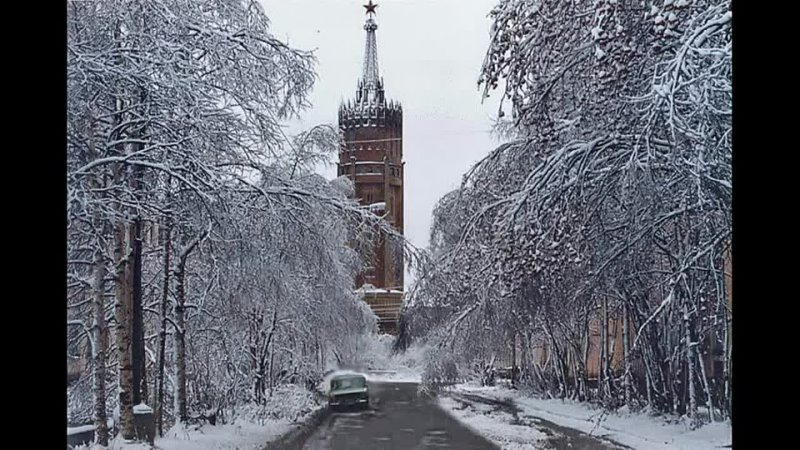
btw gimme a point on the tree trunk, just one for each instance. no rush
(727, 366)
(728, 380)
(514, 359)
(649, 381)
(270, 348)
(559, 363)
(626, 354)
(137, 325)
(727, 316)
(257, 351)
(145, 387)
(575, 370)
(162, 335)
(123, 338)
(99, 356)
(180, 340)
(320, 351)
(100, 326)
(587, 343)
(523, 357)
(704, 377)
(561, 371)
(604, 387)
(181, 332)
(690, 358)
(649, 352)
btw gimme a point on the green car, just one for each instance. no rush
(348, 390)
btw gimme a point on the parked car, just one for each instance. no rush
(348, 390)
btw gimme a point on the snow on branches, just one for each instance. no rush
(178, 166)
(613, 196)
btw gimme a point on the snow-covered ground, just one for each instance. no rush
(636, 430)
(243, 435)
(495, 425)
(251, 429)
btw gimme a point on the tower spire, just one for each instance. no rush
(370, 76)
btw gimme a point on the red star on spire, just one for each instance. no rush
(370, 7)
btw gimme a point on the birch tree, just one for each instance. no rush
(174, 119)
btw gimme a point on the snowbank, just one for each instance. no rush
(252, 427)
(243, 435)
(117, 444)
(637, 430)
(288, 402)
(497, 426)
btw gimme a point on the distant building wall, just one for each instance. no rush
(386, 305)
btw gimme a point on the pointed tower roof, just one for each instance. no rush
(370, 86)
(370, 77)
(370, 104)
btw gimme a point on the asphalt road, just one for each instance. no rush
(397, 419)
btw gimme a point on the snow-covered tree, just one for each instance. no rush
(178, 166)
(612, 199)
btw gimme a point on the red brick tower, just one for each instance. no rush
(373, 158)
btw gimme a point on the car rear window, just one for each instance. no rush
(348, 383)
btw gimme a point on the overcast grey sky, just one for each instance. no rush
(429, 53)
